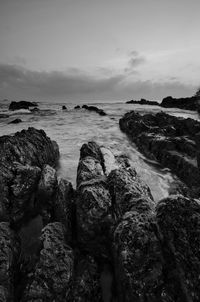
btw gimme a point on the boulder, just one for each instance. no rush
(77, 107)
(64, 107)
(22, 105)
(95, 109)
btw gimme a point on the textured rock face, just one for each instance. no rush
(168, 139)
(93, 201)
(21, 158)
(86, 284)
(95, 109)
(53, 272)
(9, 253)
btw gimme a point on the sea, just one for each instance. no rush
(73, 127)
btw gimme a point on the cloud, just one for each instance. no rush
(17, 82)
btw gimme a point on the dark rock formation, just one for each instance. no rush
(16, 121)
(9, 254)
(143, 102)
(64, 107)
(106, 241)
(93, 202)
(21, 158)
(22, 105)
(36, 109)
(168, 139)
(52, 276)
(189, 103)
(77, 107)
(95, 109)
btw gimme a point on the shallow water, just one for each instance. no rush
(72, 128)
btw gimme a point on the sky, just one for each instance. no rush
(73, 50)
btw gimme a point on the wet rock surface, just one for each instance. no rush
(106, 241)
(168, 139)
(95, 109)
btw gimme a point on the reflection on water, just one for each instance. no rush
(71, 128)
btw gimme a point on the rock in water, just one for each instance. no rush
(168, 139)
(22, 105)
(64, 107)
(16, 121)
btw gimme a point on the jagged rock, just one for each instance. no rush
(168, 139)
(128, 191)
(93, 150)
(93, 201)
(22, 192)
(64, 107)
(179, 221)
(63, 207)
(77, 107)
(52, 276)
(9, 253)
(16, 121)
(21, 156)
(86, 284)
(22, 105)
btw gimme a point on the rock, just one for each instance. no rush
(93, 202)
(86, 284)
(9, 254)
(143, 102)
(36, 109)
(189, 103)
(128, 191)
(168, 139)
(95, 109)
(63, 208)
(64, 107)
(77, 107)
(93, 150)
(52, 276)
(22, 105)
(23, 191)
(22, 156)
(179, 221)
(16, 121)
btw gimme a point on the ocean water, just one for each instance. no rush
(71, 128)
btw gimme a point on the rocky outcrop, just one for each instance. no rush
(143, 102)
(21, 105)
(64, 107)
(22, 157)
(106, 241)
(77, 107)
(95, 109)
(170, 140)
(189, 103)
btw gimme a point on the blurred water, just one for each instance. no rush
(72, 128)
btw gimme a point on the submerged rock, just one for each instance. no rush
(16, 121)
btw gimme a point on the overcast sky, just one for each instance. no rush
(99, 49)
